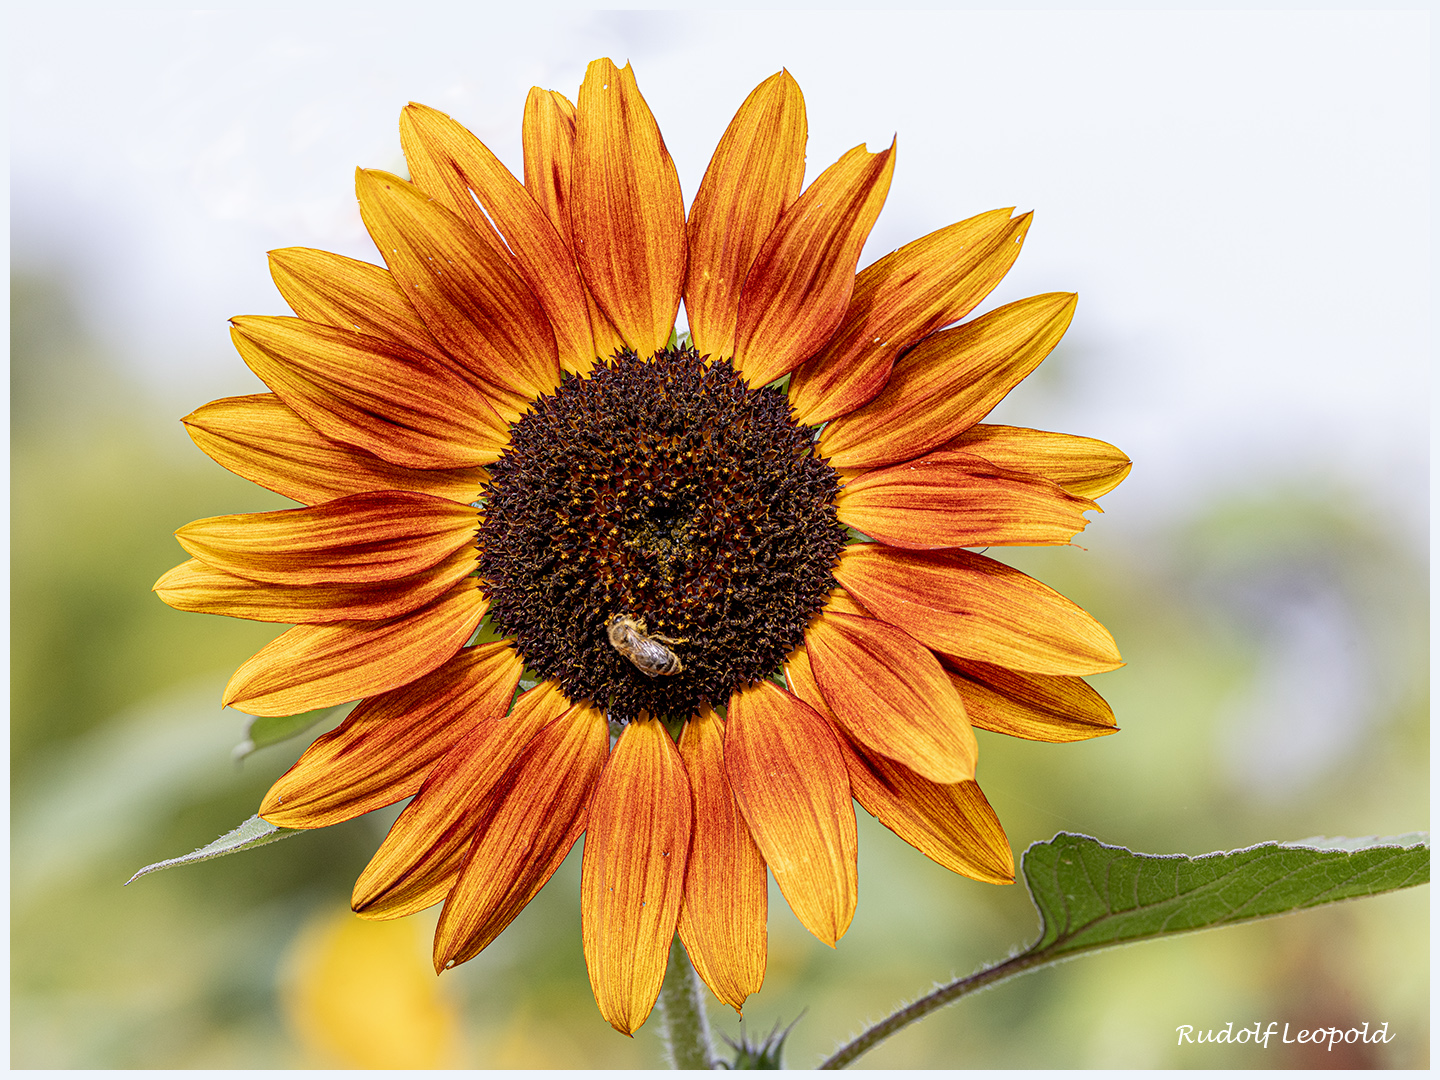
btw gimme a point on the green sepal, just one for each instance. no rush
(765, 1053)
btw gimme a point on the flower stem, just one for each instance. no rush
(682, 1014)
(953, 991)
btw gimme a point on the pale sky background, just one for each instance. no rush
(1242, 200)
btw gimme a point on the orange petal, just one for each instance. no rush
(627, 213)
(927, 284)
(951, 823)
(1085, 467)
(1046, 708)
(421, 856)
(637, 837)
(388, 745)
(330, 289)
(948, 382)
(472, 299)
(193, 586)
(548, 135)
(969, 606)
(259, 438)
(756, 172)
(722, 918)
(524, 834)
(376, 536)
(398, 404)
(310, 667)
(888, 691)
(800, 284)
(959, 500)
(785, 769)
(841, 601)
(461, 172)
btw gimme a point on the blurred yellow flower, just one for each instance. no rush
(360, 994)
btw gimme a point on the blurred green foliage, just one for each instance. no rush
(121, 756)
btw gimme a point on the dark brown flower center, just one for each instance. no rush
(658, 534)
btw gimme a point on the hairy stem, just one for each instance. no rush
(683, 1026)
(937, 999)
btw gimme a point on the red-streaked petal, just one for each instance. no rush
(421, 856)
(927, 284)
(548, 133)
(785, 769)
(330, 289)
(193, 586)
(451, 164)
(948, 382)
(755, 173)
(951, 823)
(1046, 708)
(959, 500)
(627, 213)
(800, 284)
(969, 606)
(311, 667)
(472, 299)
(525, 834)
(722, 918)
(548, 136)
(401, 406)
(389, 744)
(375, 536)
(1085, 467)
(888, 691)
(637, 837)
(259, 438)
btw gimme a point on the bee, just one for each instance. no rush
(645, 650)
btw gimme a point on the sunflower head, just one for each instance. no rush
(658, 535)
(746, 551)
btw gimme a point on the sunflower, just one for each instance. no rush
(729, 572)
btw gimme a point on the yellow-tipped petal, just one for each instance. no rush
(259, 437)
(377, 536)
(785, 768)
(398, 404)
(949, 499)
(459, 170)
(722, 918)
(471, 298)
(948, 382)
(756, 172)
(524, 835)
(800, 283)
(637, 838)
(311, 667)
(898, 300)
(422, 854)
(627, 215)
(969, 606)
(389, 744)
(1085, 467)
(1046, 708)
(889, 691)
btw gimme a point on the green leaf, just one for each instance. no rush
(251, 834)
(263, 731)
(1091, 895)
